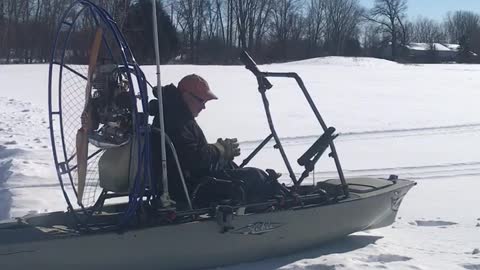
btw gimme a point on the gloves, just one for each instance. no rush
(233, 145)
(228, 148)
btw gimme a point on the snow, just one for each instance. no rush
(344, 61)
(427, 46)
(418, 121)
(453, 47)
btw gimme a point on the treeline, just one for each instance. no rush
(212, 31)
(28, 27)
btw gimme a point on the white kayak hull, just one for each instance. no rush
(199, 244)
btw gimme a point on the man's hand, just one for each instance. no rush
(228, 148)
(233, 145)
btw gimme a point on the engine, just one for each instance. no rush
(111, 108)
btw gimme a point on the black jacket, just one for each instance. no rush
(197, 157)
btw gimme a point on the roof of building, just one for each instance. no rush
(454, 47)
(427, 47)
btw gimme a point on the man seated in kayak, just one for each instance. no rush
(198, 158)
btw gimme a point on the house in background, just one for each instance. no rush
(426, 52)
(431, 52)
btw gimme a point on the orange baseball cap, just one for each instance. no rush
(197, 86)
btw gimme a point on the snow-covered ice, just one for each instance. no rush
(421, 122)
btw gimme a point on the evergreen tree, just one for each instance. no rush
(138, 30)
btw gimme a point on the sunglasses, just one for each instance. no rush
(198, 99)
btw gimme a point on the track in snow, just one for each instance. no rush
(376, 134)
(16, 110)
(438, 169)
(414, 172)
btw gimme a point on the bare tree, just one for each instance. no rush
(2, 12)
(372, 39)
(342, 19)
(118, 9)
(285, 23)
(230, 23)
(315, 23)
(213, 17)
(28, 27)
(427, 31)
(219, 7)
(251, 17)
(390, 14)
(191, 18)
(243, 10)
(6, 39)
(261, 19)
(461, 24)
(405, 33)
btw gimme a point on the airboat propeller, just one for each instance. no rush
(97, 100)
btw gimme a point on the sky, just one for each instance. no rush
(435, 9)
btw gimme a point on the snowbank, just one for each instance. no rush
(346, 61)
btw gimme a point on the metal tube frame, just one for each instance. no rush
(165, 197)
(255, 152)
(263, 86)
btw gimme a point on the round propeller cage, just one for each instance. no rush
(117, 99)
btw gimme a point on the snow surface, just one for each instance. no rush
(421, 122)
(345, 61)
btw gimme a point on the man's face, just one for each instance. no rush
(194, 103)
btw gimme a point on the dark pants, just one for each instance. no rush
(255, 182)
(242, 185)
